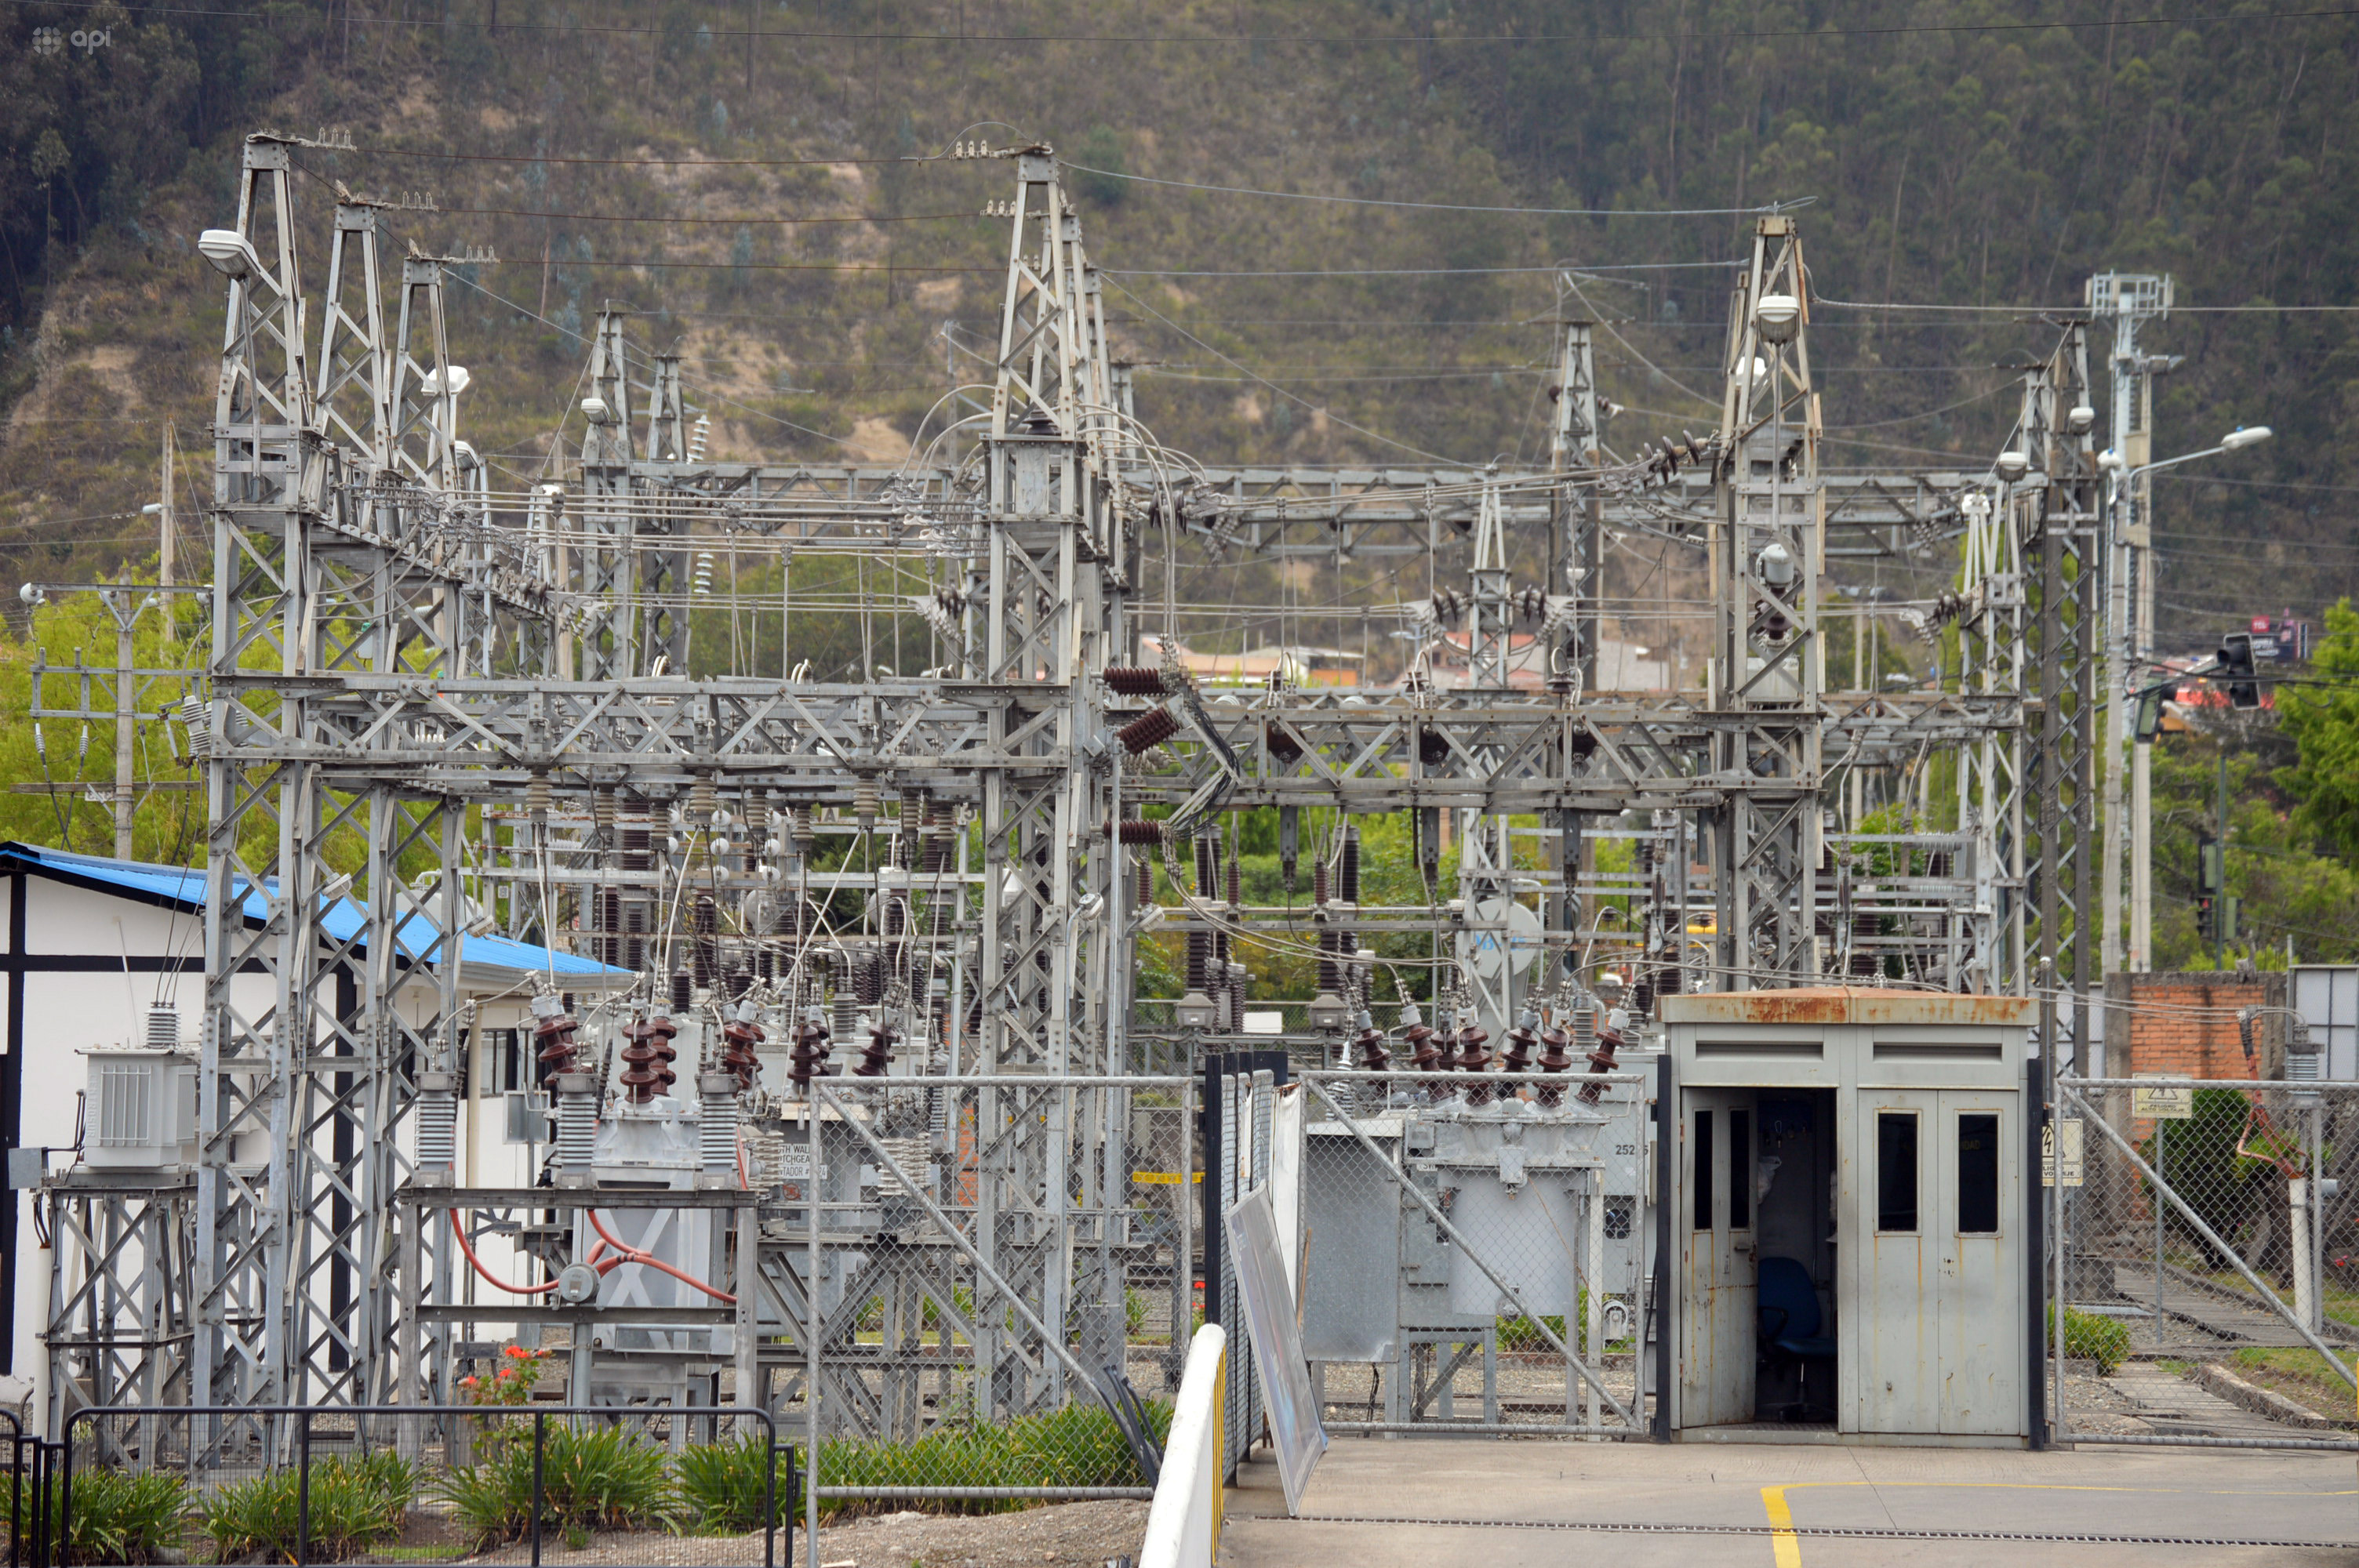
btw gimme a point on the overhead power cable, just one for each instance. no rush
(1441, 206)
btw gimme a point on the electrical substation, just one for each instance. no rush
(832, 1091)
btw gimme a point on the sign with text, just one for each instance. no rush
(2065, 1130)
(2163, 1102)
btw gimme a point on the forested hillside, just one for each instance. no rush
(1400, 184)
(1951, 154)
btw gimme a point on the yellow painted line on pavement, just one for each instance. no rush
(1784, 1544)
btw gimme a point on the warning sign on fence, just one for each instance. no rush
(2070, 1126)
(2163, 1102)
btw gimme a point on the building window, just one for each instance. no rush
(1702, 1185)
(1978, 1173)
(1896, 1169)
(503, 1062)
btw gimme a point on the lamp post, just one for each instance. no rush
(2122, 652)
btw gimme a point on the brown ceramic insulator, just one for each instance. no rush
(1236, 875)
(1134, 680)
(1554, 1058)
(1348, 887)
(682, 991)
(1284, 749)
(1429, 1056)
(1369, 1044)
(1146, 882)
(559, 1051)
(1149, 730)
(1600, 1061)
(877, 1055)
(808, 1054)
(1518, 1056)
(640, 1076)
(1146, 833)
(738, 1039)
(1474, 1056)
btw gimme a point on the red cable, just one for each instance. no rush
(633, 1255)
(460, 1232)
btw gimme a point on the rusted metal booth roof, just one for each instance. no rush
(1849, 1004)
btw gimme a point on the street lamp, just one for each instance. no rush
(2235, 440)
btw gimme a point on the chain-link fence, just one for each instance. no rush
(999, 1285)
(2211, 1226)
(1473, 1251)
(496, 1481)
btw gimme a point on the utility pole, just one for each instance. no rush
(2224, 907)
(2130, 299)
(126, 616)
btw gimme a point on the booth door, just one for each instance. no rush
(1718, 1289)
(1940, 1332)
(1897, 1322)
(1980, 1246)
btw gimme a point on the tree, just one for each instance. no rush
(2323, 720)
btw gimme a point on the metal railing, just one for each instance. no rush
(344, 1484)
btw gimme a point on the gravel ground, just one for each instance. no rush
(1061, 1535)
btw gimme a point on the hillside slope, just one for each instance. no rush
(808, 287)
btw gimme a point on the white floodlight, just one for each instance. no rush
(1777, 317)
(231, 252)
(2251, 436)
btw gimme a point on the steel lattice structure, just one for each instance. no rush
(502, 712)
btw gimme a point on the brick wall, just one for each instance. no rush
(2185, 1023)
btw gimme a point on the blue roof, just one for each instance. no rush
(343, 920)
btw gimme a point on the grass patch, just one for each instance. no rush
(722, 1486)
(120, 1518)
(1076, 1446)
(2300, 1374)
(2088, 1336)
(599, 1477)
(356, 1504)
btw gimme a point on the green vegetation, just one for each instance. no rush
(598, 1478)
(1077, 1446)
(2300, 1374)
(119, 1517)
(722, 1486)
(2091, 1337)
(357, 1505)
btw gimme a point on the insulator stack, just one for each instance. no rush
(877, 1055)
(1200, 943)
(1149, 730)
(1642, 997)
(847, 1005)
(1425, 1053)
(1369, 1044)
(864, 802)
(868, 979)
(905, 844)
(807, 1057)
(802, 819)
(539, 795)
(1554, 1058)
(1600, 1061)
(1140, 833)
(1146, 882)
(1473, 1056)
(648, 1059)
(558, 1050)
(703, 801)
(739, 1037)
(1131, 680)
(1863, 954)
(1520, 1041)
(945, 840)
(601, 820)
(757, 825)
(704, 921)
(1350, 882)
(682, 991)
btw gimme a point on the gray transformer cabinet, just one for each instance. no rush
(1848, 1219)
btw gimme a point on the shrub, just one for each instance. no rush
(2089, 1337)
(1077, 1446)
(355, 1503)
(120, 1518)
(597, 1476)
(722, 1485)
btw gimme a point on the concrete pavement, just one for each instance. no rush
(1522, 1504)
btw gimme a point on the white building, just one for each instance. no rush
(93, 943)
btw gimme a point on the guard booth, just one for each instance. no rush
(1849, 1229)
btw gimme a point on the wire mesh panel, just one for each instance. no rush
(506, 1480)
(1473, 1249)
(2211, 1222)
(998, 1269)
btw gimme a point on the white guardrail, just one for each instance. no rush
(1183, 1523)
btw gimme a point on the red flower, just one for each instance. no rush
(519, 1353)
(469, 1383)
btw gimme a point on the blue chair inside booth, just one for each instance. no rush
(1790, 1322)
